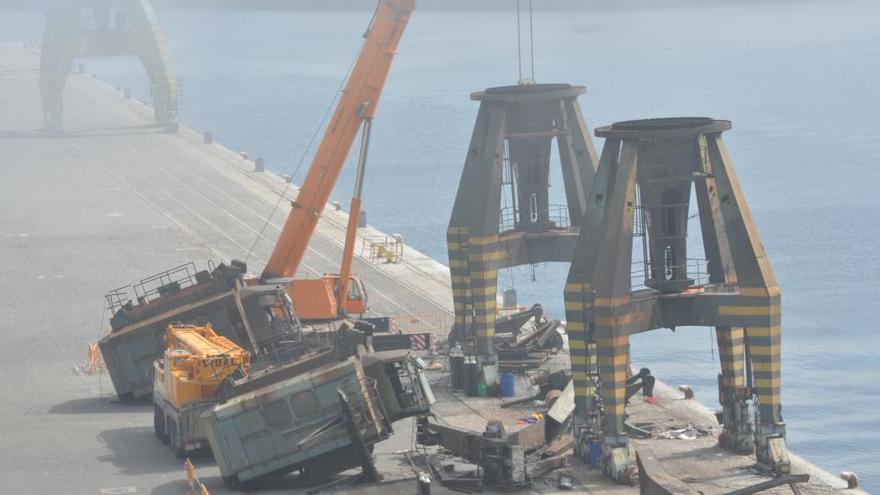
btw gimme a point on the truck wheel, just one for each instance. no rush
(159, 423)
(175, 440)
(166, 435)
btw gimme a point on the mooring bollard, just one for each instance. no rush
(851, 478)
(687, 391)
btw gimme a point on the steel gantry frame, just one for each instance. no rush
(513, 137)
(82, 28)
(645, 175)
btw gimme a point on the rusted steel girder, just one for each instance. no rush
(81, 28)
(643, 187)
(511, 147)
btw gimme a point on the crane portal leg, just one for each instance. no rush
(104, 27)
(582, 353)
(61, 41)
(737, 435)
(457, 246)
(484, 256)
(580, 295)
(149, 42)
(759, 306)
(612, 350)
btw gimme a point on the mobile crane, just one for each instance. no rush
(326, 298)
(187, 381)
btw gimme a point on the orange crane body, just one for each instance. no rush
(356, 107)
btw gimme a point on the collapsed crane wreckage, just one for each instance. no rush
(219, 296)
(362, 392)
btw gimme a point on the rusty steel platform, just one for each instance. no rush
(114, 199)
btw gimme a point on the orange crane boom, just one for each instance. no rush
(356, 106)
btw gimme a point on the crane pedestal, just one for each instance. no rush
(643, 190)
(107, 28)
(511, 148)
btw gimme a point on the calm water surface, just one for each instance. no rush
(799, 82)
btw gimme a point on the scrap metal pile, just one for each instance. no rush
(503, 460)
(524, 339)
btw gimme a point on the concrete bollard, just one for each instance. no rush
(687, 391)
(244, 155)
(258, 165)
(851, 478)
(208, 137)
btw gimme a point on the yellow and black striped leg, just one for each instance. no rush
(456, 241)
(761, 306)
(582, 353)
(613, 354)
(483, 260)
(765, 356)
(737, 435)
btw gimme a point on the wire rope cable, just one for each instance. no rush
(305, 154)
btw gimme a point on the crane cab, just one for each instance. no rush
(315, 299)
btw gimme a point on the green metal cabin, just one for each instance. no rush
(300, 424)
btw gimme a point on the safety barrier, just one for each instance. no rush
(422, 323)
(382, 249)
(196, 487)
(94, 363)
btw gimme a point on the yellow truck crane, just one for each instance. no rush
(187, 381)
